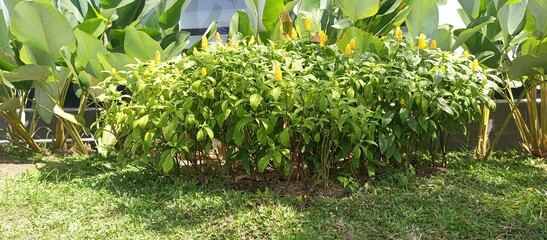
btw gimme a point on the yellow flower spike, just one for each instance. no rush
(293, 33)
(475, 65)
(158, 57)
(402, 101)
(203, 72)
(348, 49)
(398, 34)
(204, 43)
(252, 40)
(466, 54)
(352, 43)
(323, 38)
(113, 71)
(307, 23)
(422, 43)
(433, 44)
(278, 74)
(218, 38)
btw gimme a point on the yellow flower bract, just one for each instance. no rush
(323, 38)
(158, 57)
(218, 38)
(466, 54)
(422, 43)
(203, 72)
(398, 34)
(475, 65)
(204, 43)
(307, 23)
(433, 44)
(348, 49)
(277, 73)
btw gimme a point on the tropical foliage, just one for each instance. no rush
(48, 50)
(296, 107)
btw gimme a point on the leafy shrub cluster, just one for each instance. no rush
(296, 108)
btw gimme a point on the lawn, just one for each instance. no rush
(82, 198)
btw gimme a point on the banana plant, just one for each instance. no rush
(340, 20)
(46, 46)
(510, 36)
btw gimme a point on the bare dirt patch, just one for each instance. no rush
(10, 166)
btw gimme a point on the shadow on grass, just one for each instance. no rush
(170, 206)
(473, 199)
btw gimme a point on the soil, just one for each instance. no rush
(10, 166)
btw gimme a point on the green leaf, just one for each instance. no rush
(29, 72)
(59, 112)
(141, 122)
(10, 104)
(171, 16)
(511, 20)
(263, 162)
(309, 5)
(167, 160)
(271, 13)
(41, 26)
(471, 8)
(88, 47)
(471, 30)
(129, 13)
(255, 100)
(174, 43)
(117, 61)
(238, 130)
(533, 46)
(48, 93)
(423, 18)
(527, 65)
(359, 9)
(93, 26)
(139, 45)
(364, 41)
(240, 26)
(538, 8)
(285, 138)
(443, 38)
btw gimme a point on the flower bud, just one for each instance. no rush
(277, 73)
(422, 43)
(433, 44)
(398, 34)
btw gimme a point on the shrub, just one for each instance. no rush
(293, 107)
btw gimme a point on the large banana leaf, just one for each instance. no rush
(423, 18)
(271, 13)
(139, 45)
(88, 47)
(359, 9)
(171, 16)
(48, 92)
(174, 43)
(240, 25)
(511, 19)
(471, 30)
(538, 9)
(528, 65)
(41, 26)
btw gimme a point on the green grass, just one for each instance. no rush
(502, 198)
